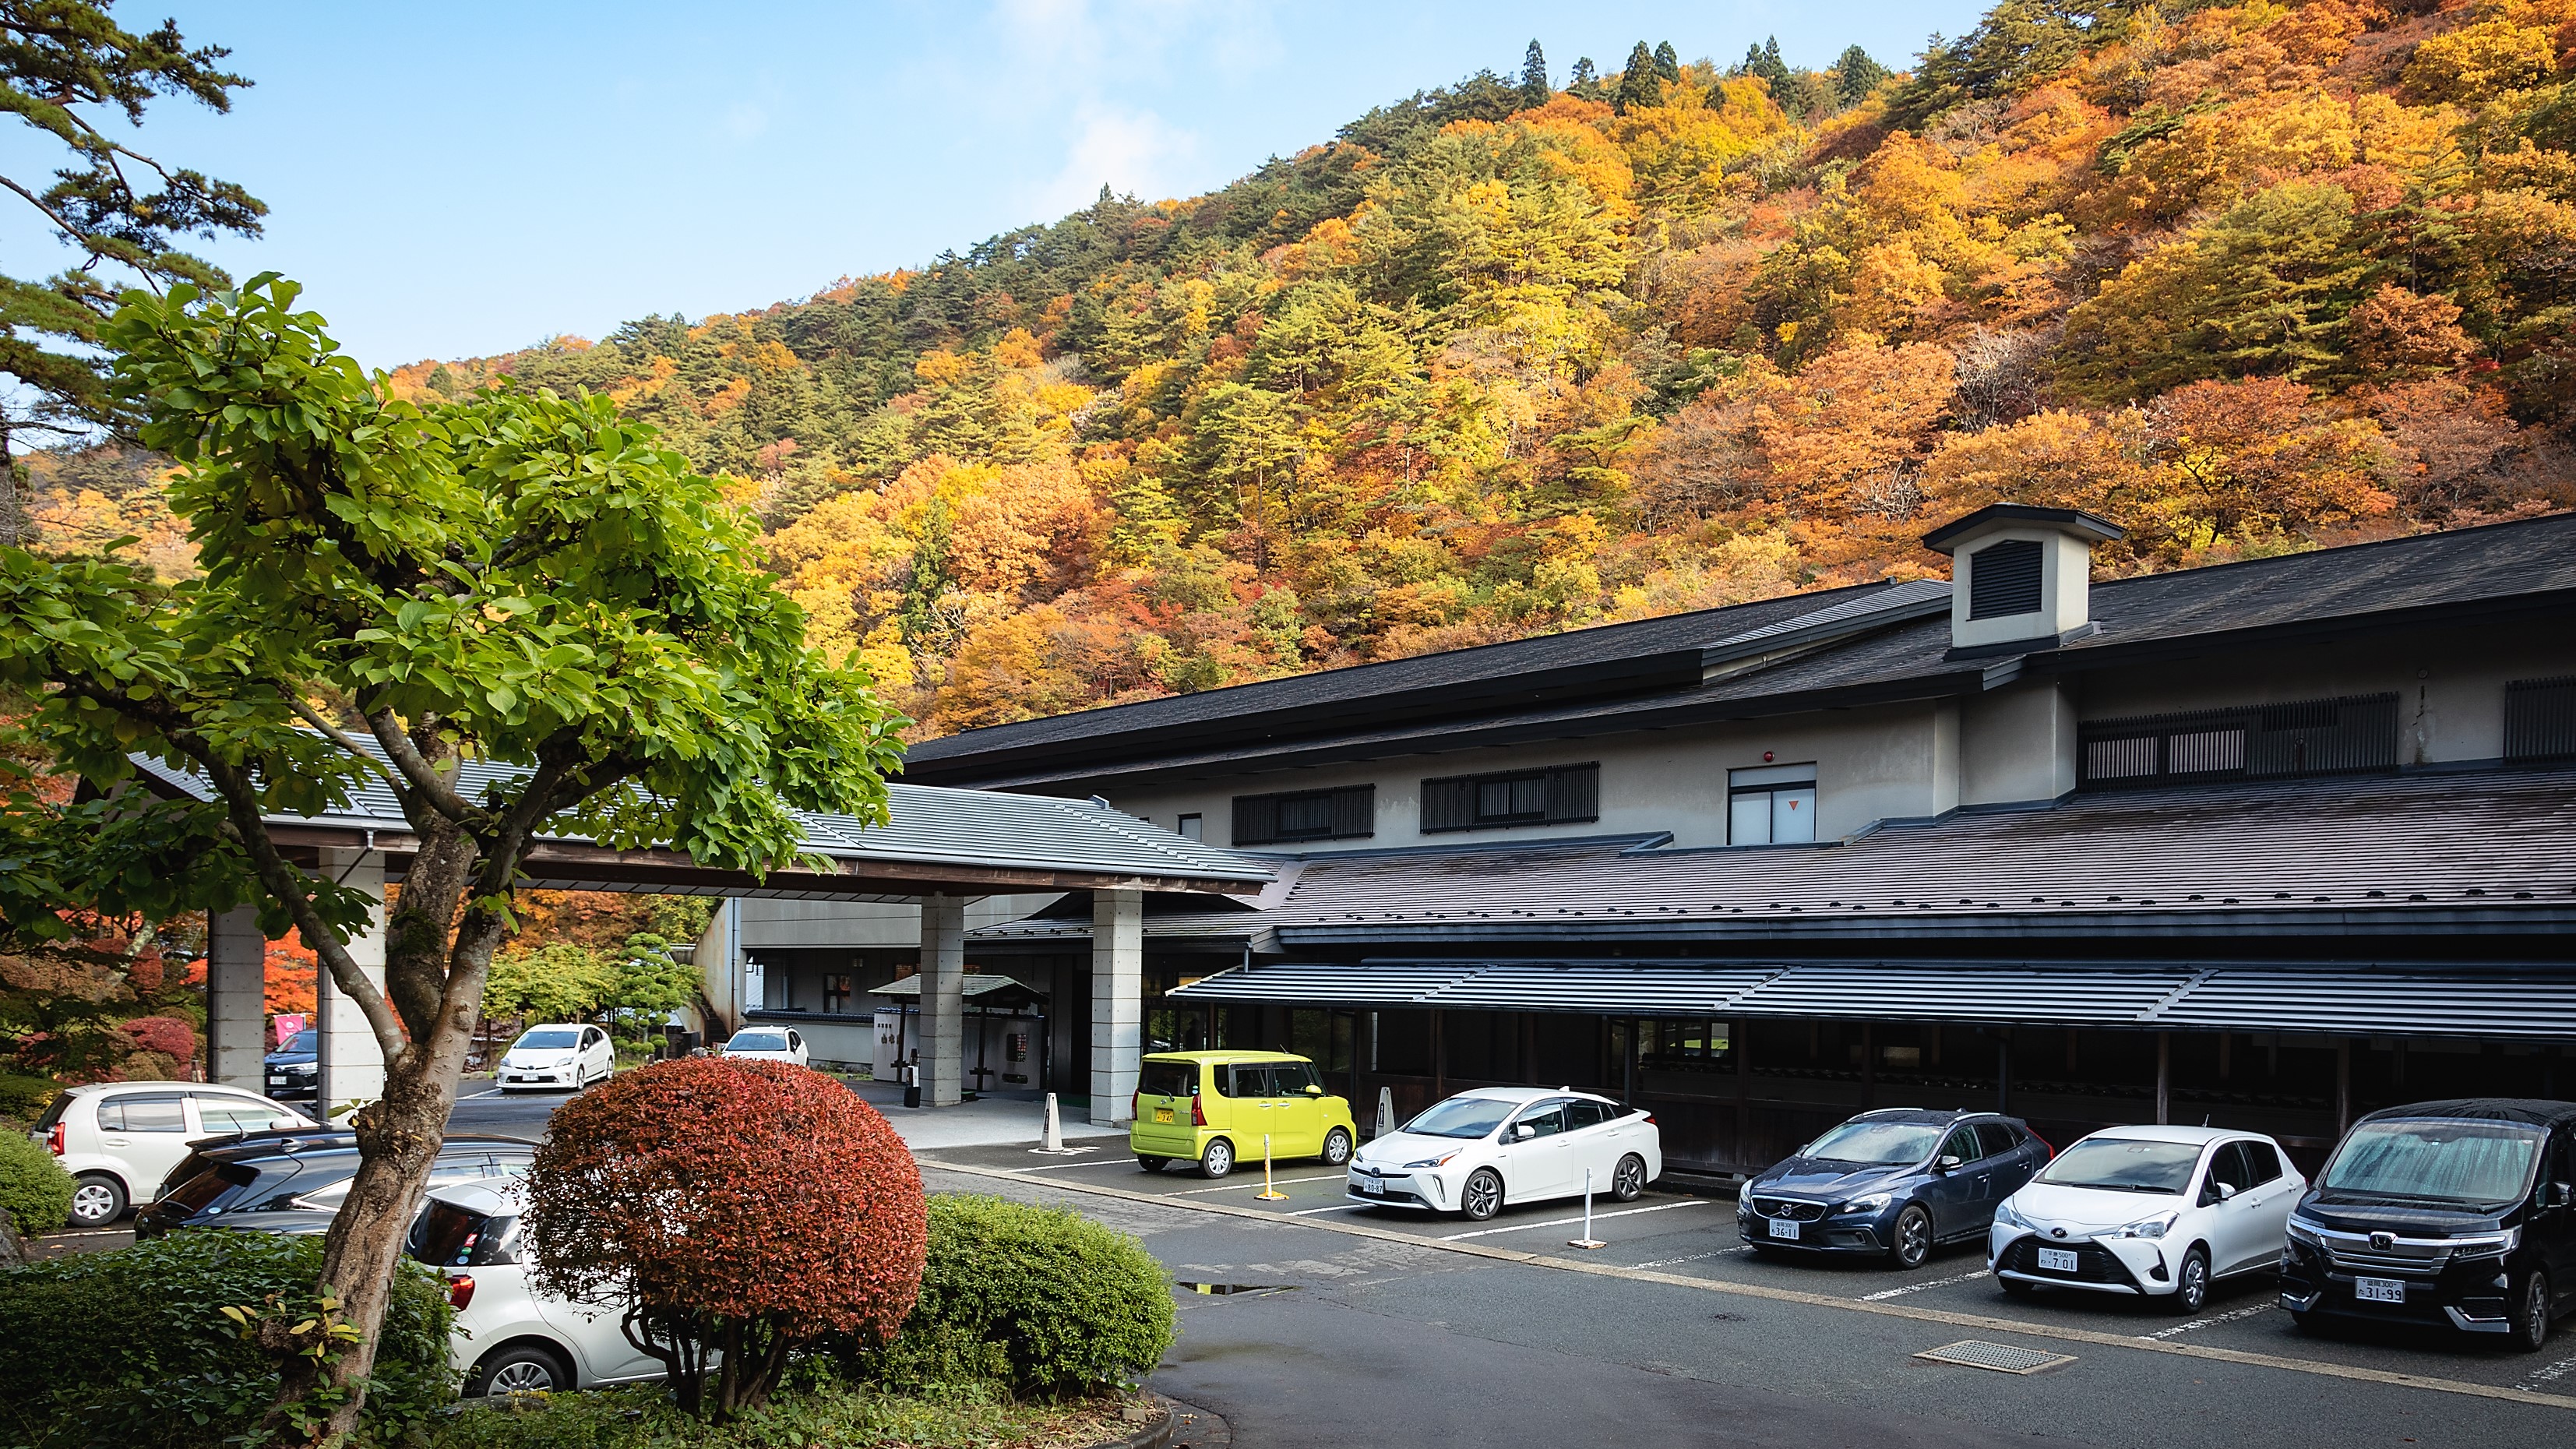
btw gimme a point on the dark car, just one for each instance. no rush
(237, 1184)
(295, 1068)
(2443, 1213)
(1895, 1182)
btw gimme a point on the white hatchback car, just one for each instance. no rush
(2161, 1212)
(508, 1338)
(558, 1056)
(1479, 1150)
(119, 1140)
(769, 1044)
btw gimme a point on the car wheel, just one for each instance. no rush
(1482, 1197)
(1152, 1164)
(1218, 1159)
(2531, 1314)
(2191, 1282)
(1337, 1147)
(1911, 1241)
(97, 1200)
(522, 1368)
(1628, 1178)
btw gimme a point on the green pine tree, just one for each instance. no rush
(1534, 87)
(1668, 61)
(1638, 85)
(1856, 75)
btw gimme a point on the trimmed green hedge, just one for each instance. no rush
(130, 1348)
(34, 1189)
(1042, 1301)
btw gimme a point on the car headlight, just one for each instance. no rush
(2305, 1232)
(2007, 1216)
(1875, 1202)
(1443, 1160)
(2153, 1227)
(2487, 1245)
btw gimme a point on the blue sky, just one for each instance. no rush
(464, 178)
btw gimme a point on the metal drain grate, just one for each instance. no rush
(2003, 1358)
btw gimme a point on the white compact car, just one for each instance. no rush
(2157, 1211)
(508, 1338)
(768, 1044)
(119, 1140)
(1479, 1150)
(558, 1056)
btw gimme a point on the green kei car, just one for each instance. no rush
(1216, 1108)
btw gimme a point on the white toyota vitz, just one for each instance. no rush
(1476, 1151)
(2160, 1212)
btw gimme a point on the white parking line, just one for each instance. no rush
(1919, 1287)
(1251, 1185)
(1339, 1207)
(2532, 1381)
(2230, 1316)
(1563, 1222)
(1694, 1257)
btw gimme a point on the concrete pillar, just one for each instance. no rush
(236, 998)
(943, 1000)
(353, 1066)
(1117, 1001)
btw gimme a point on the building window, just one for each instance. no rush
(2258, 742)
(836, 992)
(1772, 805)
(1348, 813)
(1554, 796)
(1193, 827)
(2003, 579)
(2540, 719)
(1683, 1046)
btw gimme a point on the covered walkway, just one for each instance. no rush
(939, 849)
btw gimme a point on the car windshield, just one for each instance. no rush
(1877, 1144)
(302, 1041)
(1462, 1117)
(757, 1041)
(2125, 1164)
(444, 1236)
(2436, 1160)
(547, 1038)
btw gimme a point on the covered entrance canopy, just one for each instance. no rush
(2483, 1000)
(938, 848)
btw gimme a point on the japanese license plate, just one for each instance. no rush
(1162, 1114)
(1783, 1228)
(2057, 1260)
(1372, 1187)
(2379, 1290)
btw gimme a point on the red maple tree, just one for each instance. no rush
(739, 1208)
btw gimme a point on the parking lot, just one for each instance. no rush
(1693, 1237)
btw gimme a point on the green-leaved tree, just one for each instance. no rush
(391, 592)
(70, 72)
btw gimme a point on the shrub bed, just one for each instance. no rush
(131, 1347)
(1042, 1302)
(34, 1189)
(836, 1415)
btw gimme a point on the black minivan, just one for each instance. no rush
(2444, 1213)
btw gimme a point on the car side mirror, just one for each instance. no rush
(1314, 1091)
(1522, 1132)
(2226, 1190)
(2560, 1194)
(1946, 1164)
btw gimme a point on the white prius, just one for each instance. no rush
(1479, 1150)
(2160, 1212)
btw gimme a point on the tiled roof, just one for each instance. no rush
(1655, 665)
(926, 826)
(2366, 852)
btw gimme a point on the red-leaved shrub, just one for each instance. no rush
(738, 1208)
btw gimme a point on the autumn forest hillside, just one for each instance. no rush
(1532, 352)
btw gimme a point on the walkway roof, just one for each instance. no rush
(935, 842)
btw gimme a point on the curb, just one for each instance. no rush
(1175, 1417)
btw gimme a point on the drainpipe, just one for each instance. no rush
(1868, 1065)
(2343, 1088)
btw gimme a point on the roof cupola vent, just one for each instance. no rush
(2020, 577)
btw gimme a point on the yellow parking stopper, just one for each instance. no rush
(1268, 1193)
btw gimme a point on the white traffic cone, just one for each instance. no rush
(1385, 1113)
(1051, 1136)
